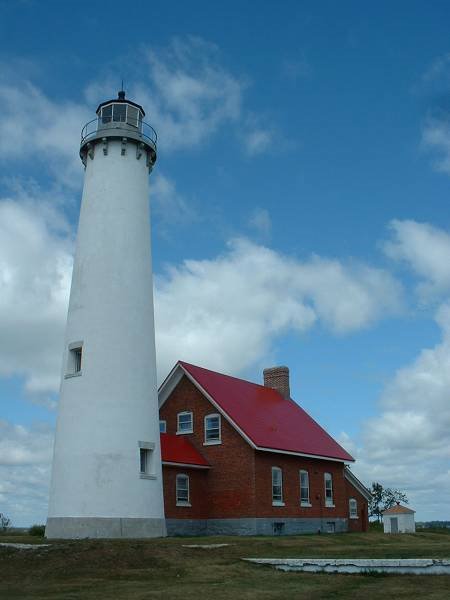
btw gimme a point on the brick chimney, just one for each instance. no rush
(277, 378)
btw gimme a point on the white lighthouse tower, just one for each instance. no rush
(107, 475)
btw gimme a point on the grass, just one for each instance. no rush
(157, 569)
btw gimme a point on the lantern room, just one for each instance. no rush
(122, 120)
(120, 111)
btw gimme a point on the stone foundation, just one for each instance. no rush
(109, 527)
(254, 526)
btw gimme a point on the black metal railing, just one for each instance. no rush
(97, 126)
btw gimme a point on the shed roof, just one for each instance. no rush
(398, 509)
(178, 450)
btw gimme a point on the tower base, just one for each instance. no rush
(73, 528)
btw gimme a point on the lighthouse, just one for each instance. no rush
(107, 474)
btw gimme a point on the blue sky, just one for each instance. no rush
(300, 212)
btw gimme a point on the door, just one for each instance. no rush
(394, 525)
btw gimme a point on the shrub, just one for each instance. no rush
(37, 530)
(5, 522)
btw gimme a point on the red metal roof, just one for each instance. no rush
(268, 419)
(178, 449)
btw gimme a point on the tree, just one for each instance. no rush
(382, 499)
(391, 497)
(375, 503)
(5, 522)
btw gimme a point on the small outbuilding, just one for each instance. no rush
(399, 519)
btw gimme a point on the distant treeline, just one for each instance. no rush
(427, 524)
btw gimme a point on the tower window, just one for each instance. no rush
(145, 459)
(74, 359)
(146, 466)
(77, 359)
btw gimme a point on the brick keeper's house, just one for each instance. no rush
(241, 458)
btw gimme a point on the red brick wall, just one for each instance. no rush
(239, 484)
(362, 522)
(291, 466)
(230, 481)
(197, 493)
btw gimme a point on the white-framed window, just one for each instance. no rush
(184, 422)
(162, 427)
(277, 487)
(328, 480)
(212, 429)
(304, 488)
(182, 490)
(146, 466)
(352, 508)
(74, 359)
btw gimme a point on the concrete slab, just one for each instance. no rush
(418, 566)
(205, 546)
(24, 546)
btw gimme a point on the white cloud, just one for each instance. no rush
(32, 127)
(408, 445)
(35, 270)
(426, 250)
(436, 138)
(188, 94)
(260, 221)
(250, 295)
(168, 205)
(25, 456)
(438, 70)
(257, 141)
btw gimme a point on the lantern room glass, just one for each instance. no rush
(121, 112)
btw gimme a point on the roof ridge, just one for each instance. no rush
(261, 385)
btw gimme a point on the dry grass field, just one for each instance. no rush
(156, 569)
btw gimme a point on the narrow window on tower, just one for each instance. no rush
(74, 359)
(146, 466)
